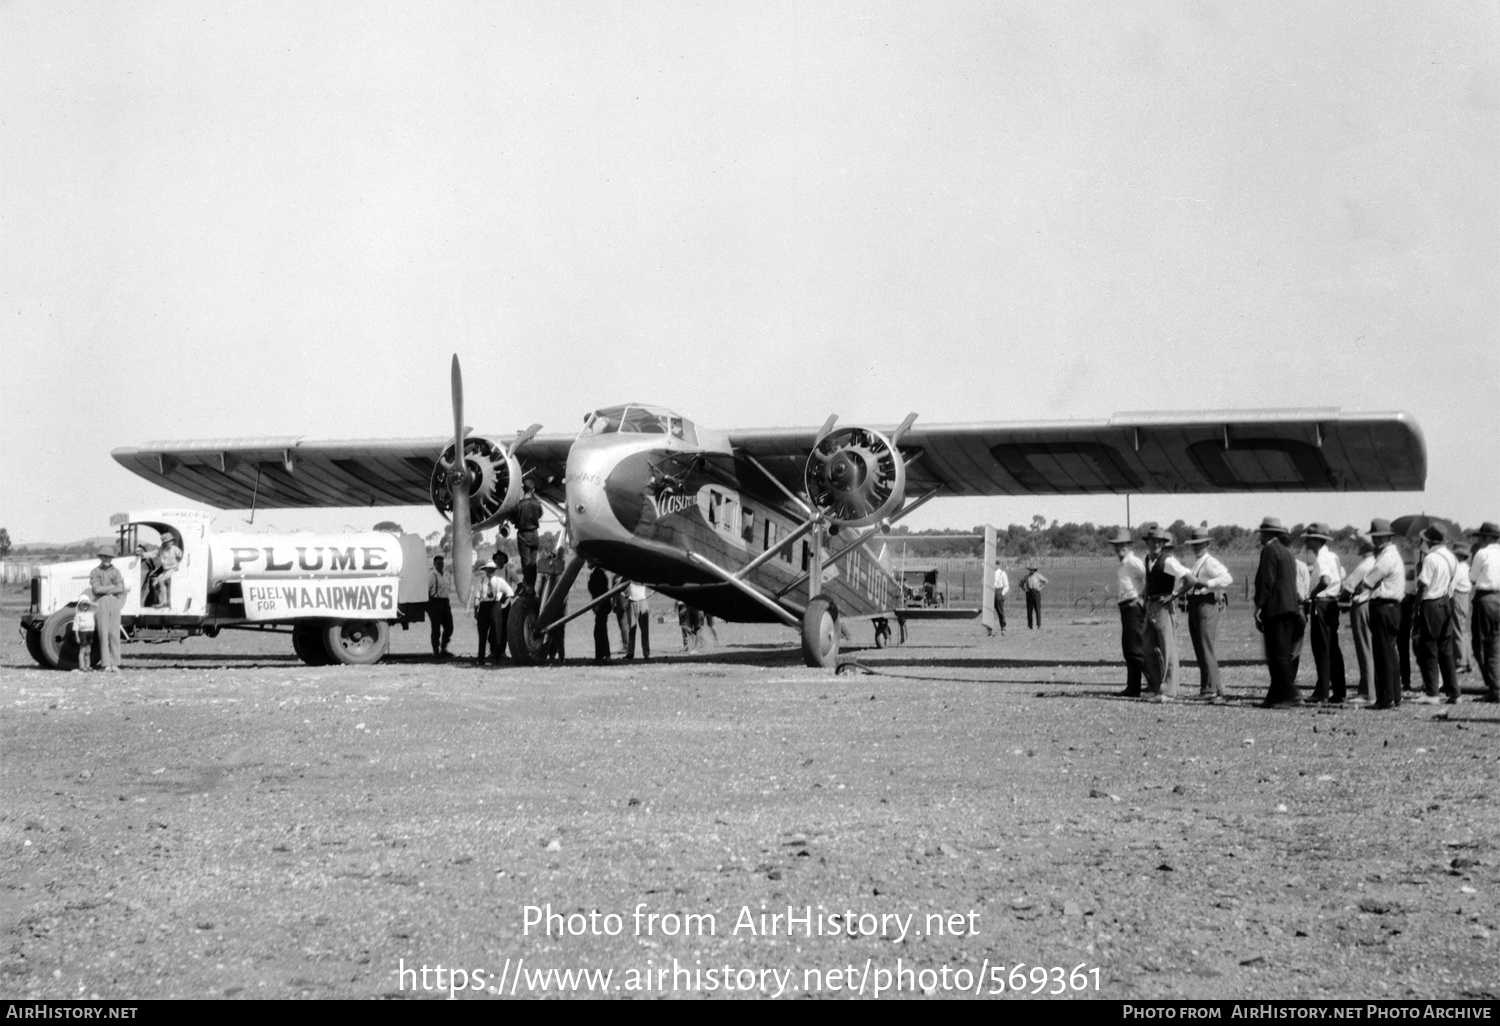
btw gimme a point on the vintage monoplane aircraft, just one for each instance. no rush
(770, 524)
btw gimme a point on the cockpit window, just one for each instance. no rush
(639, 420)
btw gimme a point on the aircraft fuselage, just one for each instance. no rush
(640, 502)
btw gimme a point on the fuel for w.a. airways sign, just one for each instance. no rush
(345, 598)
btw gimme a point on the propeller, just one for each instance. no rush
(458, 485)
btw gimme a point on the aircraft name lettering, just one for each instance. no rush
(666, 505)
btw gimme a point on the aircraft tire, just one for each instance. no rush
(356, 642)
(58, 643)
(820, 632)
(307, 642)
(527, 647)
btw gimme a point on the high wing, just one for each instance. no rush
(1303, 450)
(277, 473)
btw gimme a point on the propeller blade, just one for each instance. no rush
(459, 429)
(463, 540)
(458, 487)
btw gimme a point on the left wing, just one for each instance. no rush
(1310, 450)
(277, 473)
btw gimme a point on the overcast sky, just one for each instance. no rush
(281, 219)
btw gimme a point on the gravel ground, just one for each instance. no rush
(220, 821)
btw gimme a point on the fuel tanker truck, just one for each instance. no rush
(337, 595)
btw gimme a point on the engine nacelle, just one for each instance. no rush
(855, 476)
(495, 482)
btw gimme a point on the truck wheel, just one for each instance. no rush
(356, 642)
(820, 632)
(307, 642)
(527, 647)
(58, 643)
(34, 646)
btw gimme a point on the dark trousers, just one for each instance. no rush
(1408, 615)
(1486, 613)
(440, 612)
(1433, 636)
(601, 632)
(1033, 608)
(527, 543)
(1133, 643)
(1000, 609)
(1283, 634)
(1385, 639)
(1327, 656)
(1203, 628)
(484, 623)
(500, 618)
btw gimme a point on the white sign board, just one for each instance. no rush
(345, 598)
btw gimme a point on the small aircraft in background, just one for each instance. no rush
(771, 524)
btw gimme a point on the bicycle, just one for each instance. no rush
(1096, 598)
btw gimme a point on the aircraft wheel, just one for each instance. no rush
(58, 643)
(356, 642)
(820, 632)
(307, 642)
(527, 647)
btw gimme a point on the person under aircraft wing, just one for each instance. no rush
(1302, 450)
(276, 473)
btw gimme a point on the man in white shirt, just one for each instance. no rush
(1359, 617)
(1484, 575)
(1208, 580)
(1463, 594)
(1002, 589)
(1164, 572)
(1327, 574)
(1433, 629)
(1130, 589)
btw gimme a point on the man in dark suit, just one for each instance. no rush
(1277, 613)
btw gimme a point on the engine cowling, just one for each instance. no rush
(855, 476)
(495, 478)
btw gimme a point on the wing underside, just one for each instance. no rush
(1322, 450)
(278, 473)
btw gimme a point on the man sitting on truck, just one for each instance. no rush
(167, 558)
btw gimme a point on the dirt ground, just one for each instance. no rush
(220, 820)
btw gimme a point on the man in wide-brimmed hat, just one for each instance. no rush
(1386, 584)
(1130, 589)
(1432, 634)
(1327, 574)
(1032, 585)
(1278, 613)
(1210, 578)
(1484, 575)
(1359, 617)
(1163, 574)
(107, 585)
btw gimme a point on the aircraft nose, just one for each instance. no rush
(605, 488)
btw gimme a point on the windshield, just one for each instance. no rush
(638, 420)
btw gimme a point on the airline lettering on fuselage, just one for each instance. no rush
(666, 505)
